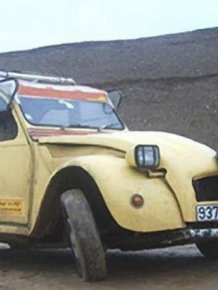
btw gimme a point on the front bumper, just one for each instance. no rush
(138, 241)
(189, 236)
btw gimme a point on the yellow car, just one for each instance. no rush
(72, 174)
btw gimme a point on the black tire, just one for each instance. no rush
(83, 236)
(209, 249)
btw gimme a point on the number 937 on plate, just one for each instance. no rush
(207, 213)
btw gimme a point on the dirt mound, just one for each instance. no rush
(170, 82)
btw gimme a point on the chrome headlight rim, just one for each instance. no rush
(145, 148)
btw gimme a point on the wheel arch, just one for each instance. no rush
(49, 220)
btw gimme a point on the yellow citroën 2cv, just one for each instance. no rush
(72, 174)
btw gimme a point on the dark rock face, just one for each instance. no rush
(170, 82)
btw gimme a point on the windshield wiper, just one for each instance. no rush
(78, 126)
(108, 126)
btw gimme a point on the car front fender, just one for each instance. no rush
(118, 182)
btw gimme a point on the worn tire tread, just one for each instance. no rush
(76, 206)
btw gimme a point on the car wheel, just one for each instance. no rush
(209, 249)
(83, 236)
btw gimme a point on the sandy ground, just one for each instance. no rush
(175, 268)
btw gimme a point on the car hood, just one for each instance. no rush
(173, 148)
(125, 140)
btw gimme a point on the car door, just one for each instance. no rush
(15, 168)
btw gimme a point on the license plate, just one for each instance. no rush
(207, 213)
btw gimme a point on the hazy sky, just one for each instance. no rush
(32, 23)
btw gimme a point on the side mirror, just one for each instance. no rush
(8, 89)
(115, 97)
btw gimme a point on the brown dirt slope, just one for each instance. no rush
(170, 82)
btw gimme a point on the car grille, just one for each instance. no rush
(206, 189)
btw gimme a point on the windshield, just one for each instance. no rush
(69, 113)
